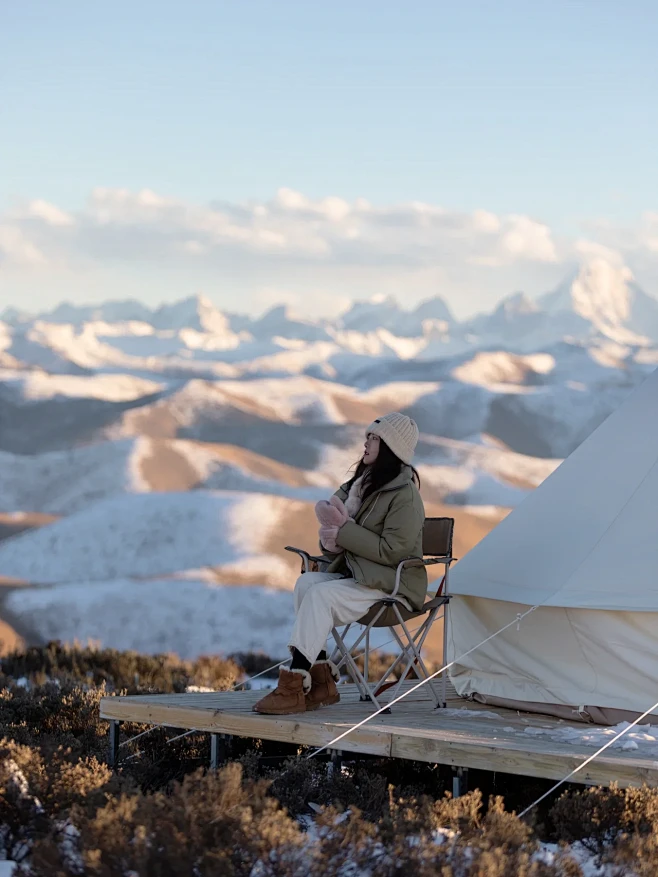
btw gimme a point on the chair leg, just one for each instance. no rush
(346, 652)
(411, 650)
(416, 650)
(342, 657)
(354, 671)
(444, 675)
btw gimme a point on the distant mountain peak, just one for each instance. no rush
(196, 312)
(598, 291)
(435, 308)
(281, 320)
(519, 303)
(602, 292)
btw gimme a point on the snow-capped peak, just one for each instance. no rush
(604, 294)
(281, 321)
(434, 308)
(518, 303)
(599, 293)
(379, 312)
(197, 312)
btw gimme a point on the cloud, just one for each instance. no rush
(334, 246)
(290, 226)
(47, 212)
(16, 249)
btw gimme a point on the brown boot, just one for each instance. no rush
(289, 695)
(324, 676)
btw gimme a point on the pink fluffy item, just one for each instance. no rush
(331, 515)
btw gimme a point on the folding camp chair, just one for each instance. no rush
(390, 613)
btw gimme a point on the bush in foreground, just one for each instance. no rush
(64, 813)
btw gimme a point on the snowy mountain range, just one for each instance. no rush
(167, 454)
(600, 300)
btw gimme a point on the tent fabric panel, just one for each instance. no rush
(557, 656)
(584, 532)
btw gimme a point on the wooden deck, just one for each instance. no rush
(465, 735)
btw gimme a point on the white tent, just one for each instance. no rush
(583, 547)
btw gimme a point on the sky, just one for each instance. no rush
(263, 152)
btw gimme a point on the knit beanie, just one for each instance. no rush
(399, 432)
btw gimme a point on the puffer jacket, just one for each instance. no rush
(387, 529)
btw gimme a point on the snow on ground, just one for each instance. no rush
(469, 487)
(146, 535)
(188, 617)
(37, 386)
(550, 853)
(229, 477)
(63, 482)
(643, 737)
(492, 368)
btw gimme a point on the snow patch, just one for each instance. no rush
(145, 535)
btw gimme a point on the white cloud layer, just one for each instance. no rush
(290, 226)
(339, 248)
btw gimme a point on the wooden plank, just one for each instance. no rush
(461, 736)
(288, 729)
(505, 757)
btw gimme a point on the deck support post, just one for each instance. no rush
(219, 750)
(113, 750)
(335, 762)
(459, 781)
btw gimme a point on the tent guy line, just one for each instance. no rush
(583, 547)
(516, 620)
(589, 760)
(520, 616)
(235, 686)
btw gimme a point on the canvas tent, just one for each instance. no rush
(583, 547)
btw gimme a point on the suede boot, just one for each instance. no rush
(324, 676)
(289, 695)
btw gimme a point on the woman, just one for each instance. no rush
(377, 521)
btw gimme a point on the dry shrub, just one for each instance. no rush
(35, 790)
(51, 716)
(65, 814)
(303, 782)
(221, 824)
(126, 671)
(598, 816)
(210, 824)
(619, 825)
(407, 842)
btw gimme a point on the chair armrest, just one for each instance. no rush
(435, 602)
(414, 562)
(425, 561)
(306, 557)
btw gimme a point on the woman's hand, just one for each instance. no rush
(331, 515)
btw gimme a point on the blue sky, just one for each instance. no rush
(543, 110)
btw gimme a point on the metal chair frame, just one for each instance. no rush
(437, 549)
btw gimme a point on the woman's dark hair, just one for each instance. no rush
(385, 468)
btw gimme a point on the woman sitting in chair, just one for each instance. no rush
(372, 522)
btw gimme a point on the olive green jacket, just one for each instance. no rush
(387, 529)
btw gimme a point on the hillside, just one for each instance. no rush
(155, 462)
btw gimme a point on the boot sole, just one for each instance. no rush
(291, 712)
(329, 702)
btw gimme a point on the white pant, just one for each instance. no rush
(322, 601)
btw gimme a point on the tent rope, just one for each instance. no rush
(516, 620)
(235, 686)
(589, 760)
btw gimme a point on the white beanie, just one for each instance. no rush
(399, 432)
